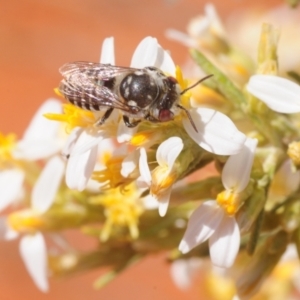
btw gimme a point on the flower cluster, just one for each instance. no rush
(144, 189)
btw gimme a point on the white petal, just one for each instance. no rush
(125, 133)
(199, 27)
(216, 132)
(292, 177)
(37, 149)
(142, 184)
(86, 141)
(130, 163)
(224, 244)
(215, 22)
(71, 140)
(165, 62)
(168, 151)
(46, 186)
(80, 168)
(41, 128)
(144, 167)
(285, 182)
(108, 52)
(236, 172)
(181, 37)
(11, 182)
(280, 94)
(145, 54)
(150, 202)
(163, 202)
(40, 139)
(34, 254)
(202, 224)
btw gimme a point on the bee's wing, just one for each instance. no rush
(93, 70)
(84, 91)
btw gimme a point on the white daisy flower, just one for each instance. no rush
(161, 179)
(214, 220)
(41, 140)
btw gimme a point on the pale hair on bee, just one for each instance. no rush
(140, 94)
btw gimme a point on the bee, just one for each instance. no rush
(140, 94)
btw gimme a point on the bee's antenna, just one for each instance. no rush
(189, 116)
(195, 84)
(184, 91)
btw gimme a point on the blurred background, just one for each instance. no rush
(36, 38)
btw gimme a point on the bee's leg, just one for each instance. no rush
(130, 124)
(104, 117)
(150, 119)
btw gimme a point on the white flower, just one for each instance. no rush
(215, 221)
(83, 143)
(33, 253)
(211, 222)
(216, 132)
(279, 94)
(41, 140)
(161, 180)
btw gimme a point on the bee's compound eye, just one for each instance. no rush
(165, 115)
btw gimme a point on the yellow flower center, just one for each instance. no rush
(122, 209)
(7, 144)
(111, 175)
(183, 83)
(227, 200)
(162, 179)
(73, 116)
